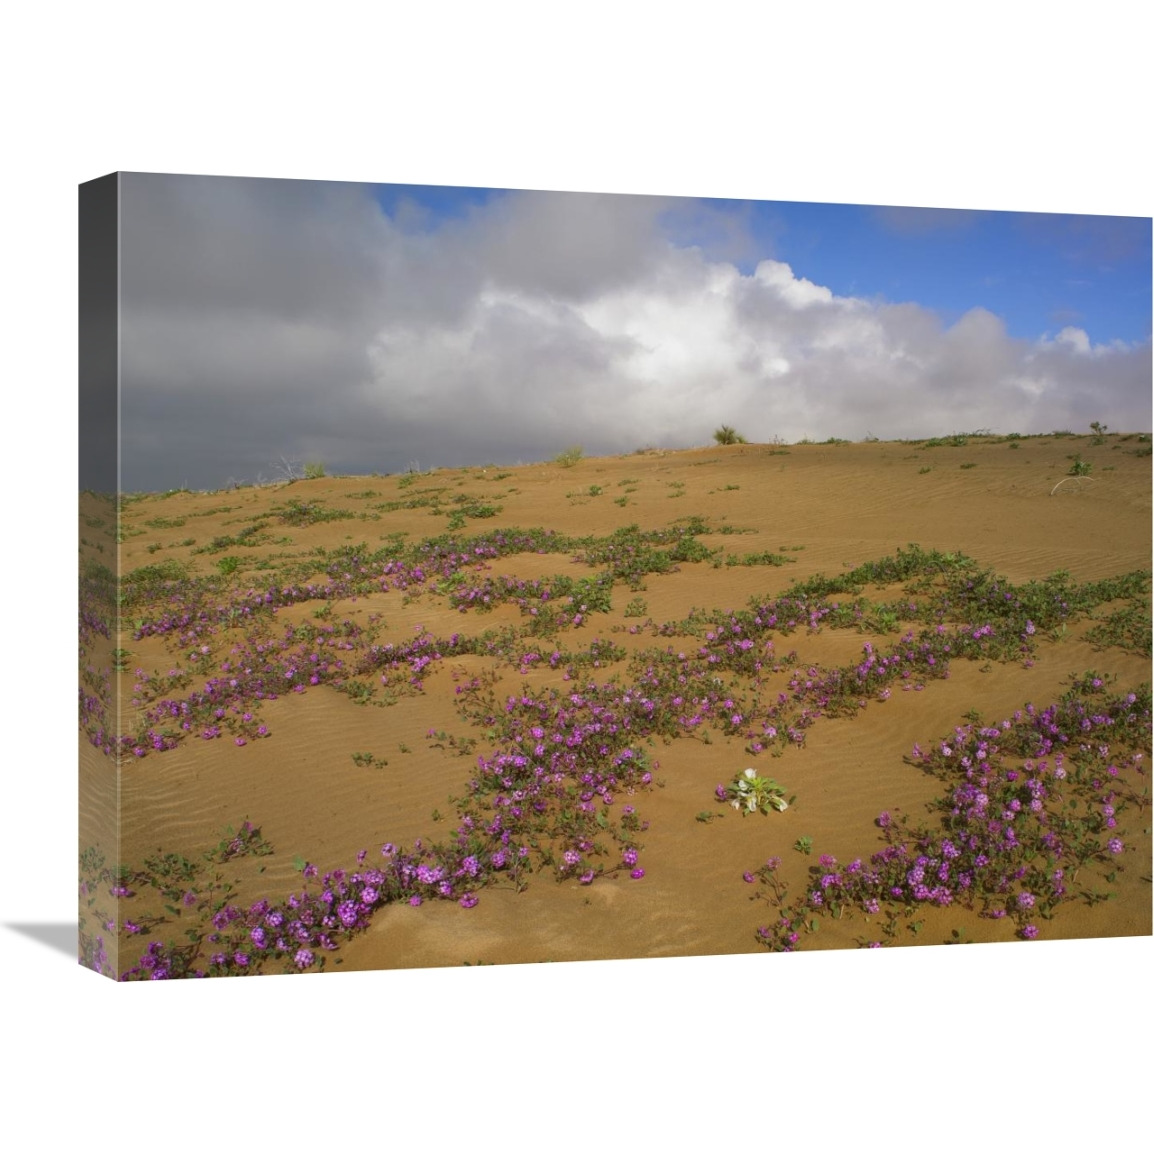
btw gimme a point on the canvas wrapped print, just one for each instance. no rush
(475, 576)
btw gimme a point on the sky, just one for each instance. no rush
(379, 328)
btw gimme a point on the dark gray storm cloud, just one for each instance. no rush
(268, 320)
(247, 310)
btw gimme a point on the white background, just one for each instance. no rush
(976, 106)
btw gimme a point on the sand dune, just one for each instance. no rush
(818, 509)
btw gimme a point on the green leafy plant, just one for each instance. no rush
(314, 470)
(748, 793)
(1080, 468)
(245, 842)
(763, 558)
(727, 435)
(461, 746)
(569, 457)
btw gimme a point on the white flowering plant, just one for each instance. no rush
(749, 793)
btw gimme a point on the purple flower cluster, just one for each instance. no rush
(563, 759)
(1007, 838)
(327, 911)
